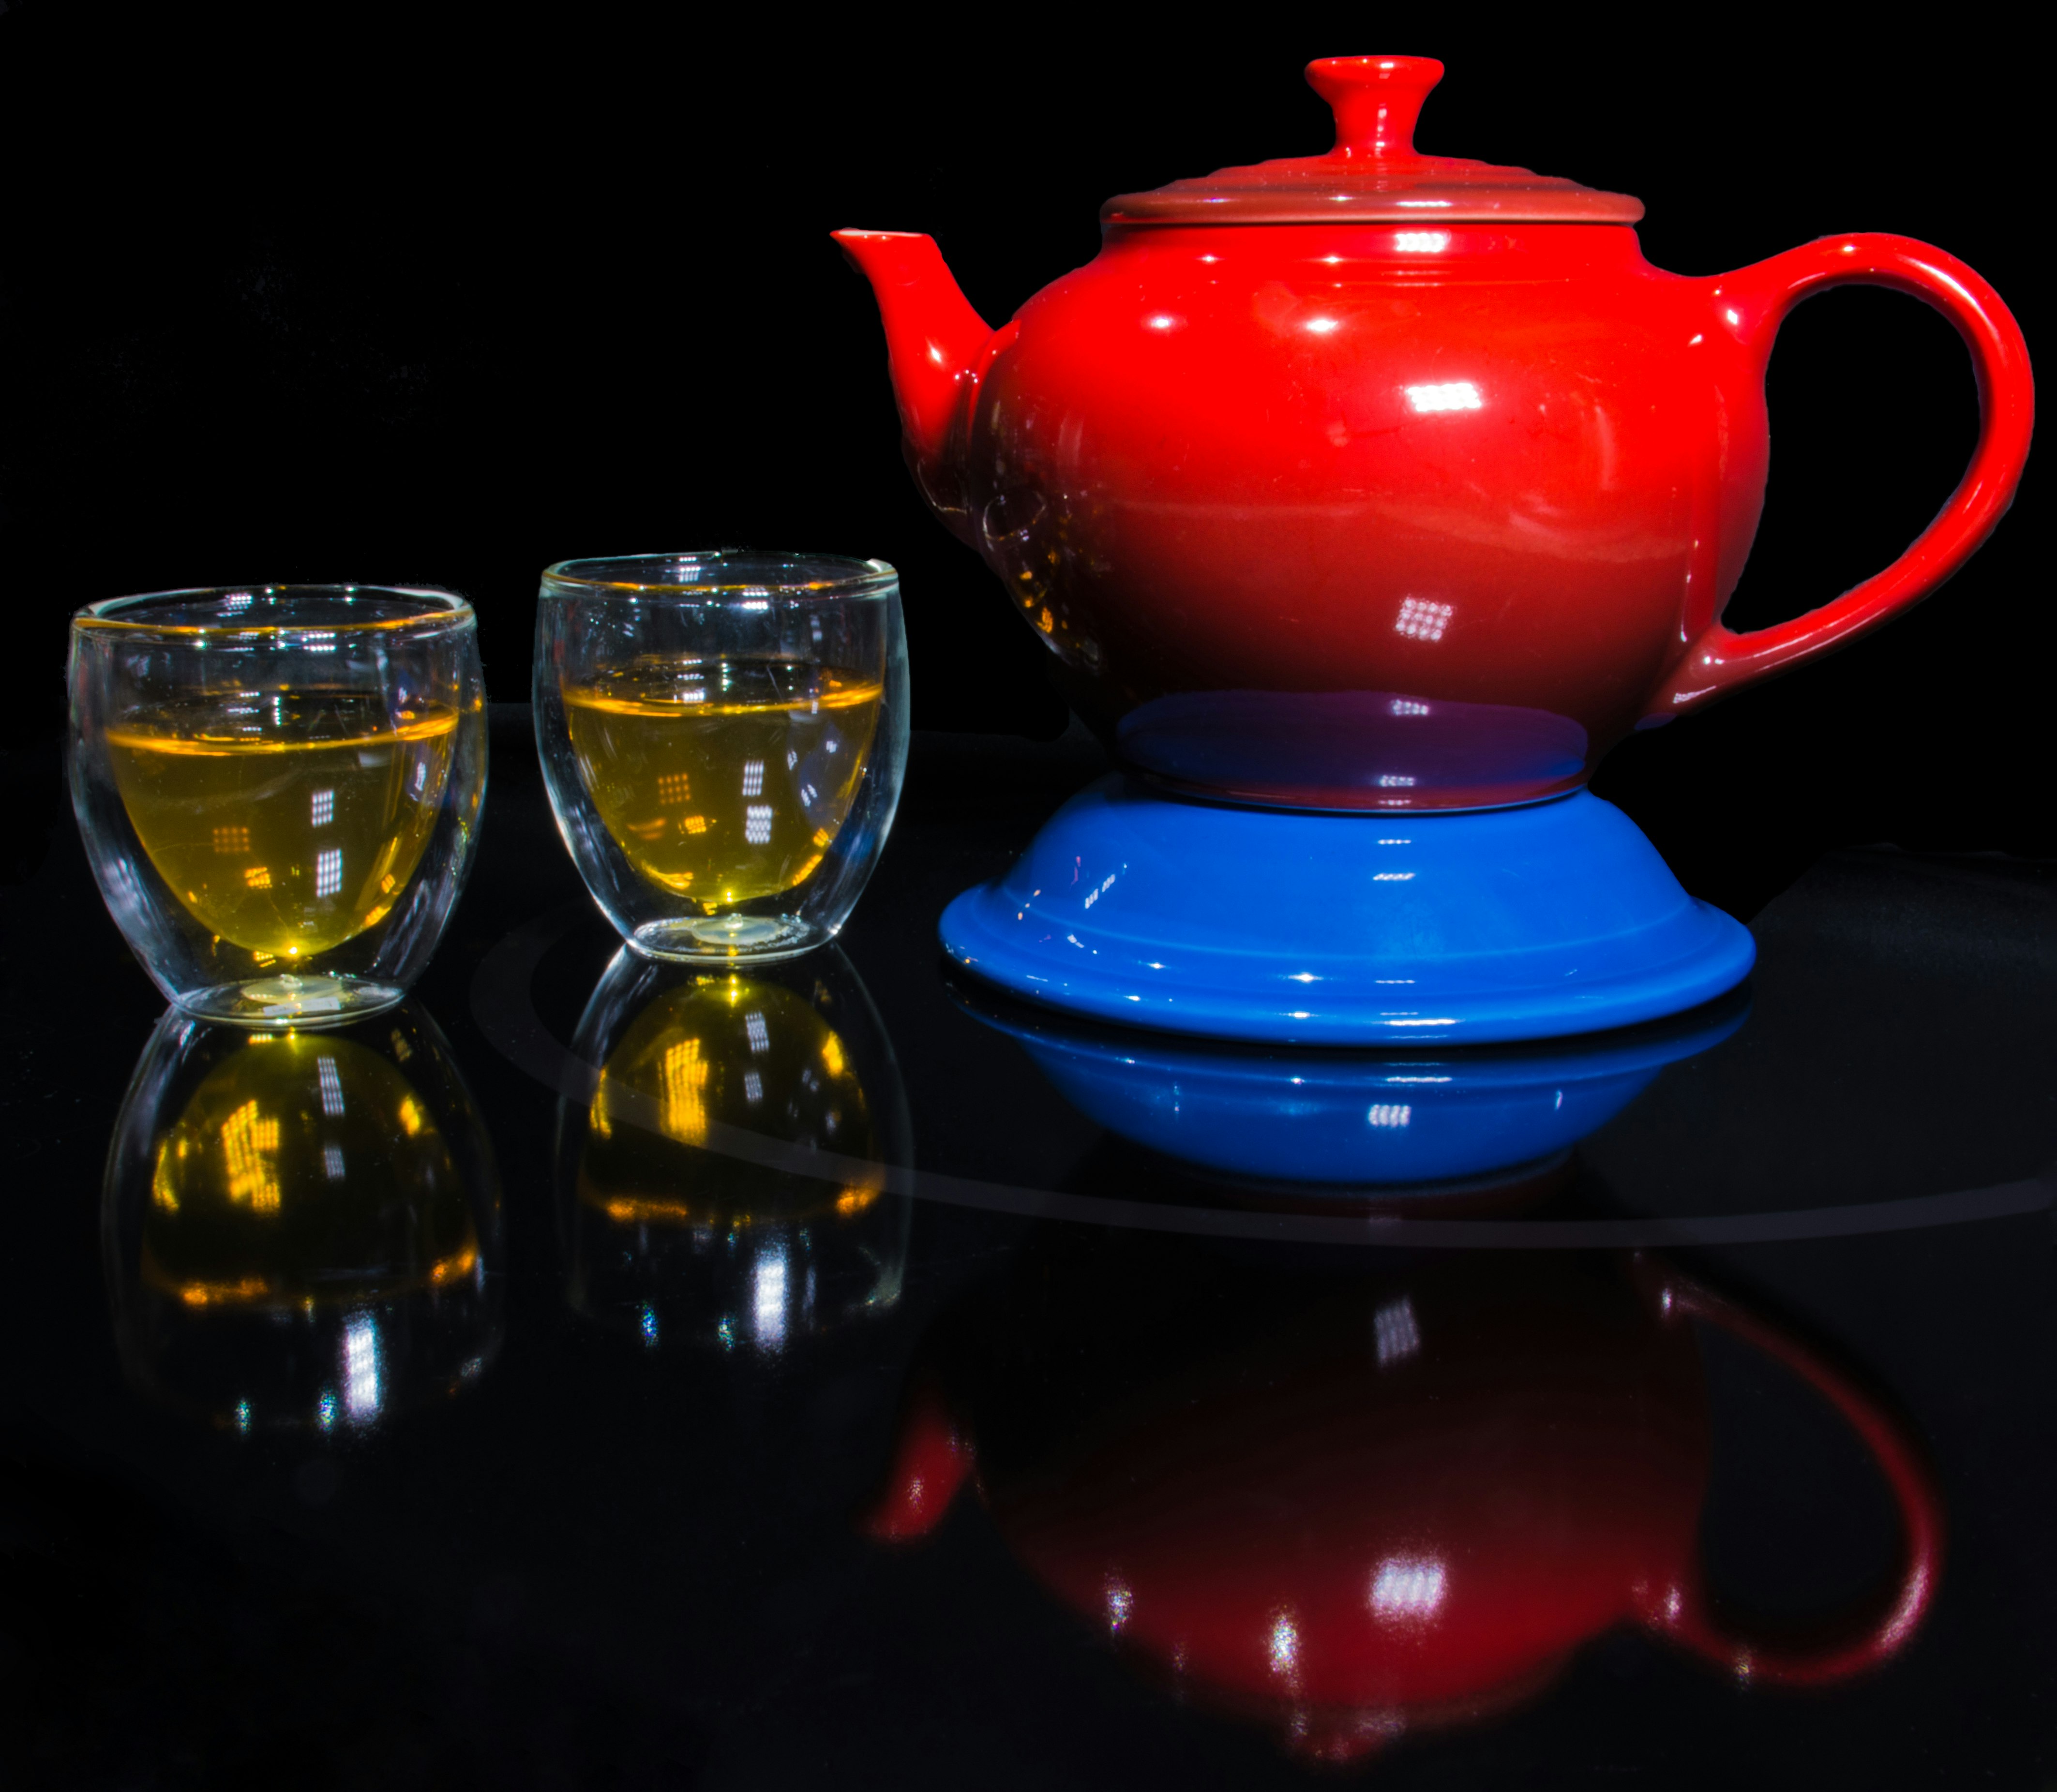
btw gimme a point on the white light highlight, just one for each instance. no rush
(757, 824)
(1422, 619)
(1395, 1332)
(360, 1367)
(1451, 395)
(753, 777)
(1388, 1115)
(768, 1299)
(1285, 1644)
(1421, 242)
(331, 1087)
(754, 1031)
(328, 871)
(321, 810)
(1407, 1586)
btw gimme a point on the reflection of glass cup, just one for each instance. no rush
(300, 1229)
(279, 788)
(728, 1180)
(724, 736)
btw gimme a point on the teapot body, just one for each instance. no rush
(1378, 480)
(1365, 516)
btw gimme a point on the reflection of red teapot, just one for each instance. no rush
(1379, 480)
(1389, 1507)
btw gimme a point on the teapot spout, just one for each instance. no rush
(933, 340)
(931, 1463)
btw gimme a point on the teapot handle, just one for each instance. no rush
(1751, 304)
(1681, 1613)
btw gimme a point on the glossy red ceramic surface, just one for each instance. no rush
(1379, 514)
(1397, 1514)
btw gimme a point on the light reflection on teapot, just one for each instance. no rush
(302, 1230)
(1360, 1505)
(726, 1182)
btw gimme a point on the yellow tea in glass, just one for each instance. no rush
(278, 787)
(292, 838)
(723, 737)
(724, 780)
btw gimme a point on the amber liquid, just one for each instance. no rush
(286, 824)
(303, 1169)
(724, 780)
(734, 1052)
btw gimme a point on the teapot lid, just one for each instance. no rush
(1373, 172)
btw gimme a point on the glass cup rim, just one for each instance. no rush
(755, 574)
(437, 610)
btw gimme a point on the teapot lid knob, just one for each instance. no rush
(1374, 173)
(1376, 100)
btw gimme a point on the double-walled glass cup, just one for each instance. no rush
(724, 736)
(279, 788)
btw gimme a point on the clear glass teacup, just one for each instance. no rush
(279, 788)
(724, 736)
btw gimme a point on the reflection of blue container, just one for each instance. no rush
(1355, 1117)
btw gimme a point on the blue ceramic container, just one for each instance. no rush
(1315, 928)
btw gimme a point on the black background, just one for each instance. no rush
(411, 294)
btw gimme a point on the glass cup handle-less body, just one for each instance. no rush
(279, 788)
(722, 736)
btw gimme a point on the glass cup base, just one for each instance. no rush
(290, 1001)
(699, 939)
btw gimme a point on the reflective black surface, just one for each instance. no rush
(599, 1377)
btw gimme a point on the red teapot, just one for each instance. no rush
(1376, 480)
(1387, 1505)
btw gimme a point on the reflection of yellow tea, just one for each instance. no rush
(304, 1168)
(734, 1052)
(290, 823)
(724, 780)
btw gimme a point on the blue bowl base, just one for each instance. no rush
(1298, 927)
